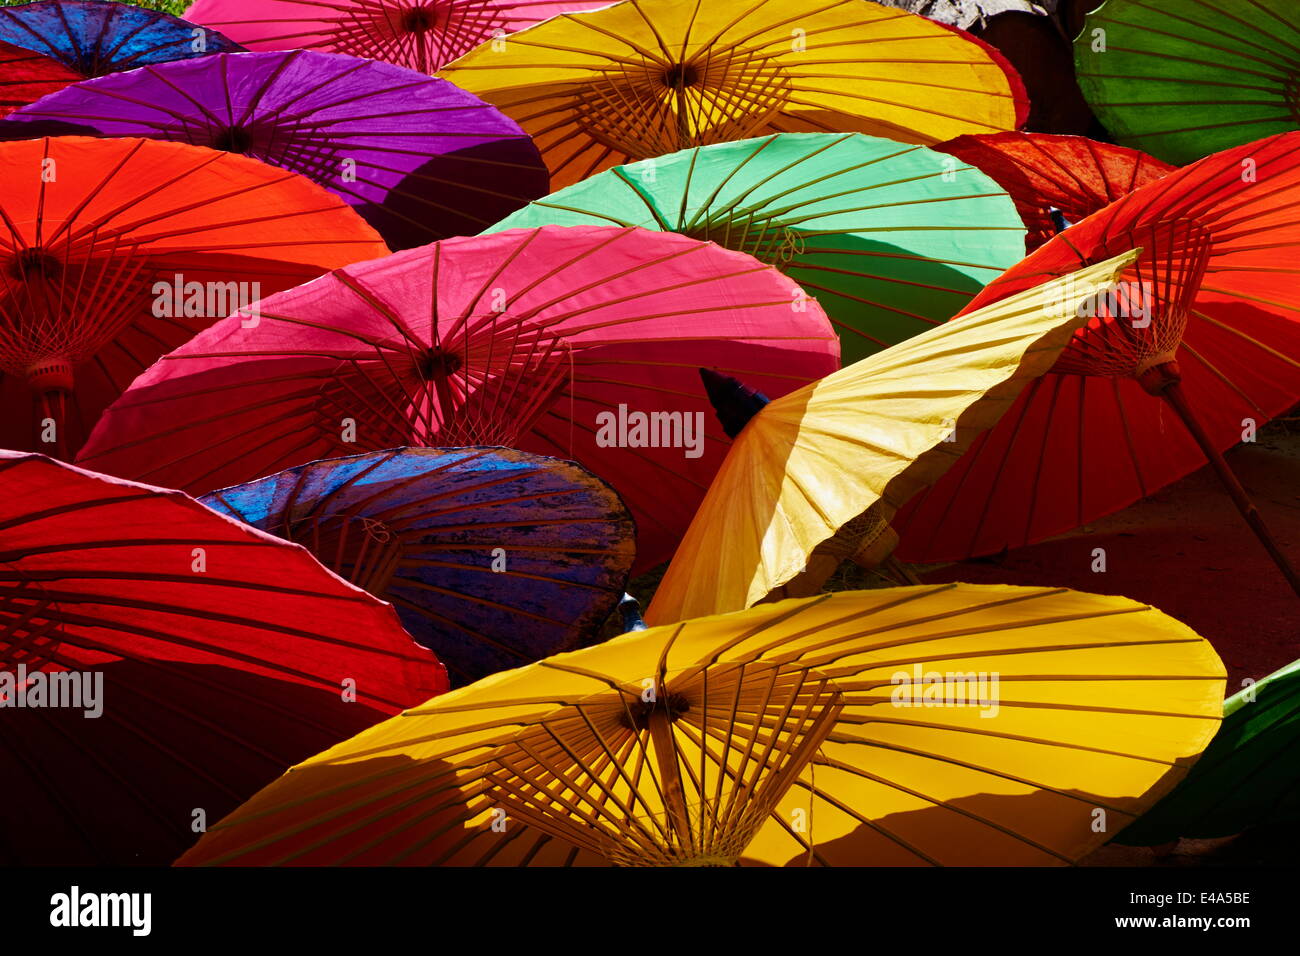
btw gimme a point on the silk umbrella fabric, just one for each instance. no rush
(494, 558)
(890, 238)
(638, 80)
(418, 158)
(209, 657)
(1248, 775)
(853, 447)
(26, 76)
(1056, 180)
(1185, 78)
(113, 252)
(96, 37)
(814, 753)
(577, 342)
(420, 34)
(1087, 440)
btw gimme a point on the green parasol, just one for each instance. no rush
(1248, 776)
(1182, 79)
(890, 238)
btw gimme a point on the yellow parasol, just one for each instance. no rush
(815, 476)
(947, 724)
(646, 78)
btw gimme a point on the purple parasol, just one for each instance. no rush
(418, 157)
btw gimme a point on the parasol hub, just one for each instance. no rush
(438, 363)
(50, 375)
(681, 75)
(420, 19)
(233, 139)
(1159, 374)
(35, 263)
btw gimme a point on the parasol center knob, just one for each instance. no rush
(419, 20)
(233, 139)
(1159, 376)
(50, 375)
(34, 263)
(673, 705)
(438, 363)
(681, 75)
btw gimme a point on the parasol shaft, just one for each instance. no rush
(1173, 394)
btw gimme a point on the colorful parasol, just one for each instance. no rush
(642, 79)
(159, 663)
(891, 239)
(949, 725)
(112, 252)
(1056, 180)
(1185, 78)
(419, 34)
(1208, 320)
(1248, 775)
(579, 342)
(26, 76)
(493, 558)
(96, 37)
(418, 158)
(814, 478)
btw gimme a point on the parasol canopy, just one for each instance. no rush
(814, 477)
(96, 37)
(1247, 776)
(26, 76)
(890, 238)
(418, 158)
(794, 733)
(1212, 302)
(642, 79)
(160, 663)
(578, 342)
(1184, 78)
(113, 252)
(1056, 180)
(493, 557)
(419, 34)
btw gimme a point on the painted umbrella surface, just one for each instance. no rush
(418, 158)
(216, 656)
(561, 341)
(420, 34)
(814, 756)
(96, 37)
(641, 79)
(1088, 438)
(100, 236)
(1056, 180)
(814, 477)
(1248, 776)
(888, 237)
(493, 557)
(26, 76)
(1185, 78)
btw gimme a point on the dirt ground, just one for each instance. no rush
(1188, 552)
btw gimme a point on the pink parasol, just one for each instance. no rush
(582, 343)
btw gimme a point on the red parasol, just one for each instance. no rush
(1056, 180)
(215, 655)
(113, 252)
(1209, 322)
(26, 76)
